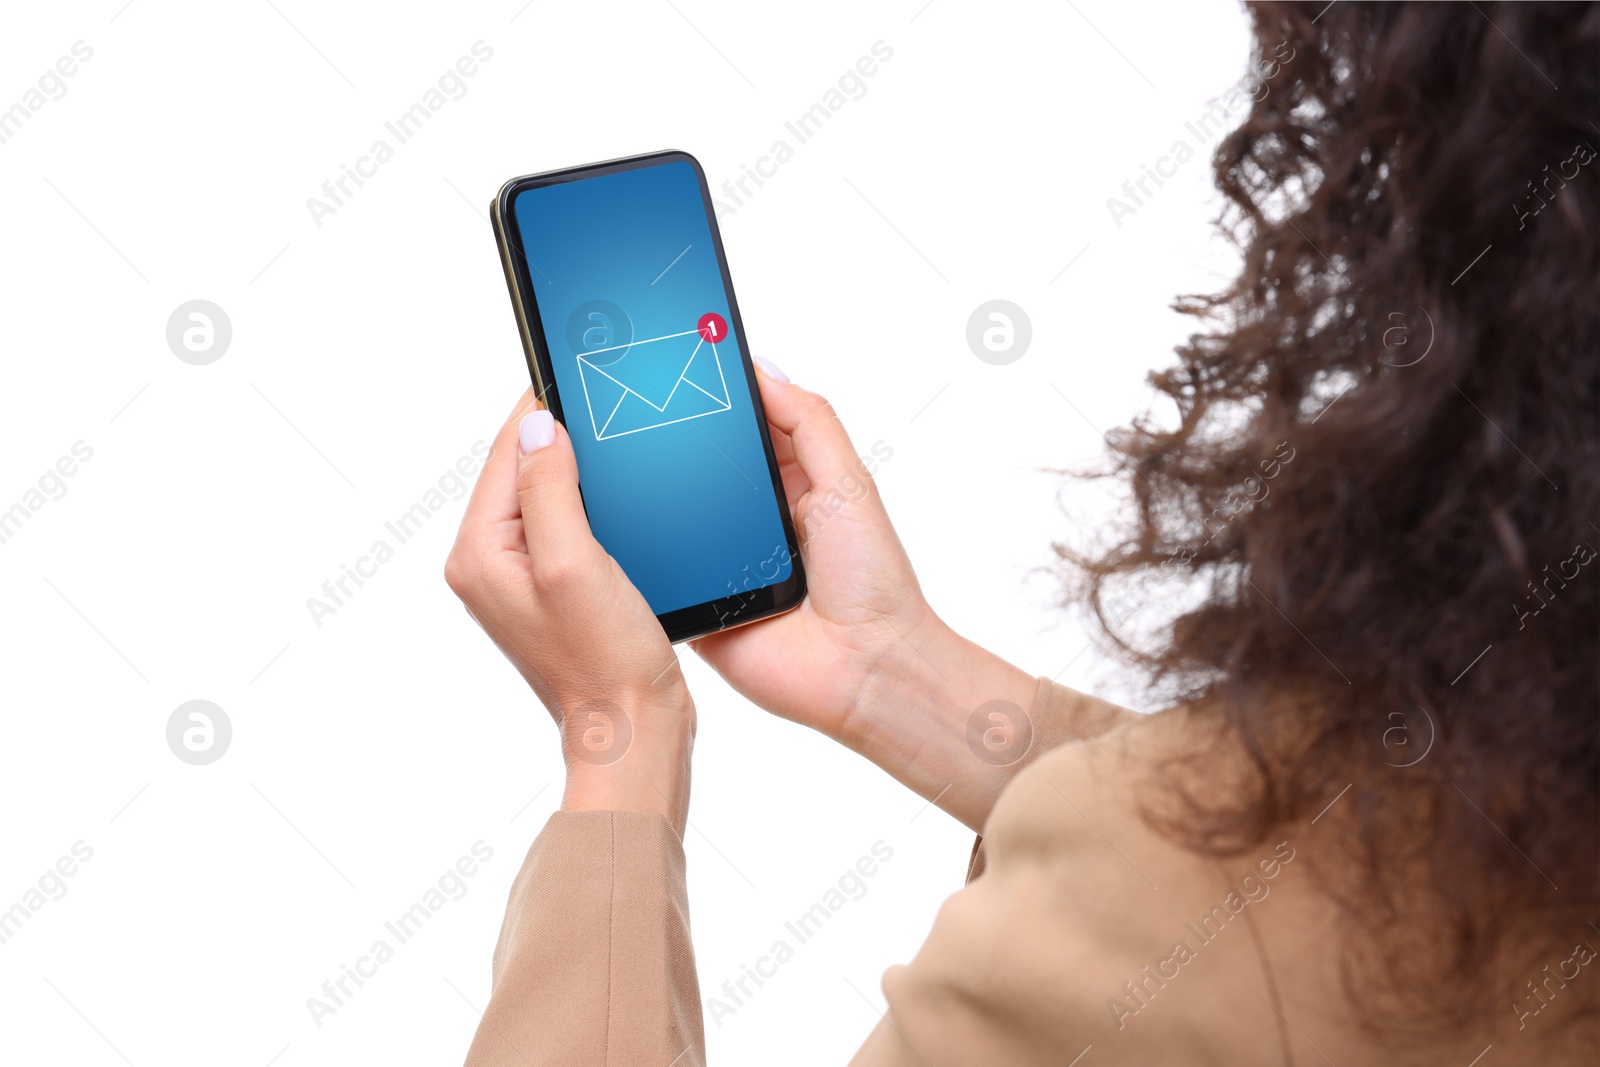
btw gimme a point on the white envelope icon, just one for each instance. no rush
(655, 382)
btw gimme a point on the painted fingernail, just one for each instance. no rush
(537, 430)
(770, 369)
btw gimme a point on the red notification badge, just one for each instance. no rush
(713, 328)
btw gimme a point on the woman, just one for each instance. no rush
(1366, 829)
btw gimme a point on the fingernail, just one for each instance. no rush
(770, 369)
(537, 430)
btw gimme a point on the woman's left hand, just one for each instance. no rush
(531, 573)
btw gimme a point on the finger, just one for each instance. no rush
(782, 447)
(494, 498)
(795, 483)
(821, 447)
(559, 538)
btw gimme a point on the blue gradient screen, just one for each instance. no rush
(653, 388)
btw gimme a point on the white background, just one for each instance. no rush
(369, 354)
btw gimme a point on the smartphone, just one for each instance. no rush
(635, 343)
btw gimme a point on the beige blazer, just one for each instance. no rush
(1082, 939)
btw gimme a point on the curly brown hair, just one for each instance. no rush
(1383, 485)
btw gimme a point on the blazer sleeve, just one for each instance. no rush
(594, 965)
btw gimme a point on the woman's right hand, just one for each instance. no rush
(864, 659)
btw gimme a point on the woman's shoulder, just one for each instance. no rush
(1092, 798)
(1141, 945)
(1237, 957)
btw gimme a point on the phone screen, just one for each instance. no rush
(644, 344)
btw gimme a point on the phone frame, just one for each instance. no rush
(724, 613)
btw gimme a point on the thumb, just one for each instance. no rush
(822, 448)
(553, 517)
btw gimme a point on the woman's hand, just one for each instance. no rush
(815, 664)
(532, 575)
(864, 659)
